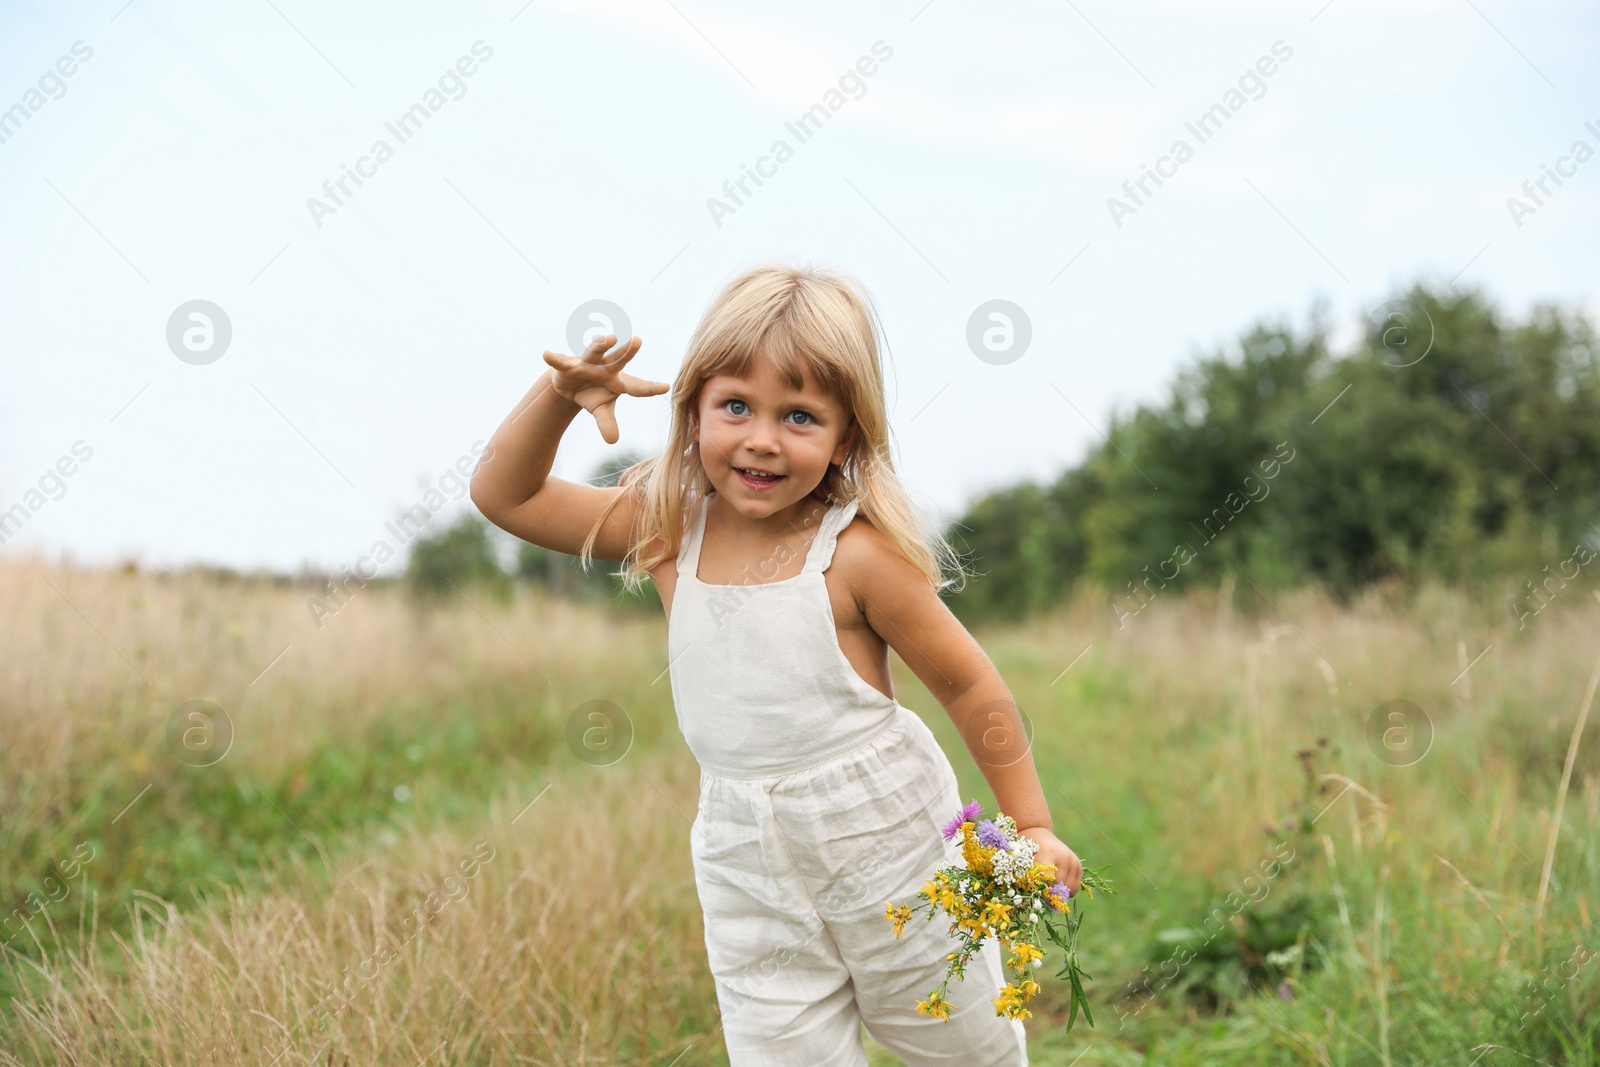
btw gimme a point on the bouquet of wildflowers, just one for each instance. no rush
(1002, 892)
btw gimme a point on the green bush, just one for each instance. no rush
(460, 557)
(1286, 464)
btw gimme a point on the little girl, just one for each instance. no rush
(789, 560)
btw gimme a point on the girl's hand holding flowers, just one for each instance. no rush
(1008, 888)
(1068, 868)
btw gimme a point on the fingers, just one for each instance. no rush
(601, 343)
(618, 357)
(599, 366)
(605, 415)
(600, 351)
(643, 386)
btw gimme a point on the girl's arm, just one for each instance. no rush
(512, 486)
(903, 608)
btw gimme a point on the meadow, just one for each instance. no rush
(1341, 834)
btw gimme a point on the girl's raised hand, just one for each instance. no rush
(594, 382)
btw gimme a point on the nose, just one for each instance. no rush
(762, 437)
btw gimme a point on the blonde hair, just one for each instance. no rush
(825, 318)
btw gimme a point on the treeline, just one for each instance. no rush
(1451, 444)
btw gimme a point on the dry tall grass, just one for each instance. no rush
(567, 936)
(97, 662)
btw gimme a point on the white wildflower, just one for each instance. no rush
(1011, 864)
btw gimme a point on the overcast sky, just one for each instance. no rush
(377, 337)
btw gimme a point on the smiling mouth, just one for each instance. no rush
(755, 477)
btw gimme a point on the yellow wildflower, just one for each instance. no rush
(1024, 953)
(996, 914)
(979, 858)
(1039, 875)
(935, 1006)
(1010, 1002)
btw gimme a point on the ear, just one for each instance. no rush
(851, 435)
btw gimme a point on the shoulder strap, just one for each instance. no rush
(820, 554)
(689, 550)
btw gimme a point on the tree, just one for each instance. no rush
(1464, 448)
(460, 557)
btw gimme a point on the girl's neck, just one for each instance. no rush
(805, 513)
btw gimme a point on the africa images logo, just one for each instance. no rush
(406, 126)
(807, 126)
(1204, 127)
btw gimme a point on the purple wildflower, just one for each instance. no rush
(966, 814)
(989, 834)
(1060, 889)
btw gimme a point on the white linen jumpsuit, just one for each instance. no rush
(821, 799)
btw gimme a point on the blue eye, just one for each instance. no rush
(797, 411)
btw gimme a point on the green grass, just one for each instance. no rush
(196, 830)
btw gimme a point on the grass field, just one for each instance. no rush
(1302, 878)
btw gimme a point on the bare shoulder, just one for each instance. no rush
(903, 608)
(874, 565)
